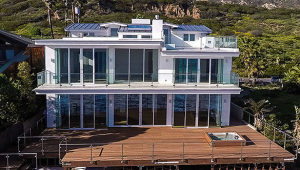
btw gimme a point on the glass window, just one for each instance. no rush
(180, 70)
(133, 109)
(204, 70)
(101, 108)
(114, 32)
(74, 65)
(160, 109)
(100, 66)
(146, 36)
(120, 109)
(215, 110)
(62, 111)
(10, 54)
(185, 37)
(167, 37)
(88, 111)
(74, 111)
(179, 110)
(88, 65)
(203, 110)
(192, 70)
(192, 37)
(121, 65)
(147, 109)
(151, 65)
(61, 64)
(191, 110)
(129, 36)
(136, 65)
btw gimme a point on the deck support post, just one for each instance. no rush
(91, 146)
(19, 144)
(122, 157)
(269, 158)
(7, 161)
(36, 162)
(182, 152)
(59, 154)
(284, 140)
(42, 145)
(212, 152)
(241, 158)
(152, 152)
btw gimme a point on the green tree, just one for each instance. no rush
(292, 80)
(251, 55)
(258, 109)
(26, 85)
(9, 101)
(296, 131)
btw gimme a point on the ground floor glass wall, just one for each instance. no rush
(203, 110)
(92, 111)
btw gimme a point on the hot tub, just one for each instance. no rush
(224, 139)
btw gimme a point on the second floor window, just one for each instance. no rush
(188, 37)
(114, 32)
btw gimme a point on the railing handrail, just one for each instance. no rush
(42, 136)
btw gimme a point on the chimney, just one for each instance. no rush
(157, 28)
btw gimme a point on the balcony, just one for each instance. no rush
(205, 43)
(129, 79)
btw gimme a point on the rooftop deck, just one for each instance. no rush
(158, 145)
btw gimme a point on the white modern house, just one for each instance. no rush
(147, 73)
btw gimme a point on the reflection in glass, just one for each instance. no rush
(120, 109)
(136, 65)
(179, 110)
(147, 109)
(74, 111)
(100, 66)
(121, 65)
(61, 65)
(180, 70)
(192, 70)
(62, 114)
(133, 109)
(88, 64)
(203, 110)
(75, 65)
(101, 108)
(190, 110)
(204, 70)
(215, 110)
(151, 65)
(88, 111)
(160, 109)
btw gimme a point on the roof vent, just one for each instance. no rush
(156, 16)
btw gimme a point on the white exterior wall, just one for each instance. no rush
(157, 29)
(51, 111)
(177, 39)
(225, 117)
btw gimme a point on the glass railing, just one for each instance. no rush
(207, 43)
(47, 77)
(226, 42)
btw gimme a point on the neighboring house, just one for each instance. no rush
(157, 82)
(15, 48)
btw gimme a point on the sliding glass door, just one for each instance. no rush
(201, 110)
(75, 65)
(81, 111)
(88, 66)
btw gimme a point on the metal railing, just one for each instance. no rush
(87, 79)
(7, 156)
(273, 133)
(42, 141)
(41, 124)
(175, 151)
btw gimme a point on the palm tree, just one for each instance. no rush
(258, 109)
(49, 4)
(297, 123)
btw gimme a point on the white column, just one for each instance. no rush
(140, 109)
(110, 115)
(169, 109)
(81, 65)
(225, 117)
(51, 111)
(227, 65)
(111, 64)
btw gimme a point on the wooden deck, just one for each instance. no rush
(168, 146)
